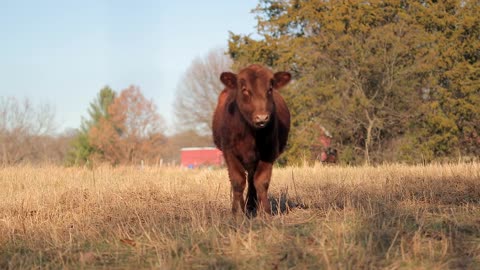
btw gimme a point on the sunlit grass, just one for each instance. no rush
(390, 216)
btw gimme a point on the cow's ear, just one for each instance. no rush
(281, 79)
(229, 79)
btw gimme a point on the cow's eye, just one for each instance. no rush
(270, 89)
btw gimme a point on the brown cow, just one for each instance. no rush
(251, 125)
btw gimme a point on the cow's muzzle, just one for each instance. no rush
(261, 120)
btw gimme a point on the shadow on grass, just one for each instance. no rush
(282, 204)
(421, 222)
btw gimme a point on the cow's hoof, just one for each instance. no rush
(251, 212)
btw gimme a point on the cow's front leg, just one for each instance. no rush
(261, 180)
(236, 173)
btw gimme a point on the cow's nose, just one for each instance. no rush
(261, 119)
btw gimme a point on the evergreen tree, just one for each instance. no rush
(451, 123)
(82, 148)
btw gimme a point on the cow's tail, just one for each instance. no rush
(251, 202)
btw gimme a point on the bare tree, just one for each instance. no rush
(133, 132)
(197, 91)
(22, 124)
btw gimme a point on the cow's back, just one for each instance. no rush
(218, 118)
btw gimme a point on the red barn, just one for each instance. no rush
(193, 157)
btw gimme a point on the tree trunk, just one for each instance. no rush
(368, 139)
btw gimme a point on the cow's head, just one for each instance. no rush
(253, 89)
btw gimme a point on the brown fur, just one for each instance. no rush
(250, 145)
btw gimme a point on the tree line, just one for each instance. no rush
(120, 129)
(391, 80)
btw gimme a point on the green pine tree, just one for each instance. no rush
(81, 148)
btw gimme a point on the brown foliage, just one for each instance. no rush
(133, 132)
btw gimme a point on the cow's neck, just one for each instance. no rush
(260, 142)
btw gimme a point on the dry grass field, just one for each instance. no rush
(390, 216)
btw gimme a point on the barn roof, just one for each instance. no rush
(196, 148)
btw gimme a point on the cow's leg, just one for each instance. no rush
(251, 203)
(262, 177)
(236, 173)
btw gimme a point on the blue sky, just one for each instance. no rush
(63, 52)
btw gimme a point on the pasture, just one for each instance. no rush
(390, 216)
